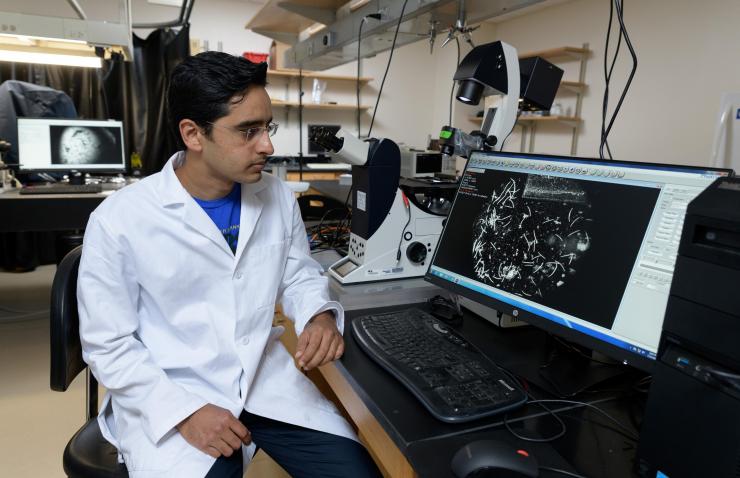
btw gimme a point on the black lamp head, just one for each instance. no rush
(481, 73)
(469, 92)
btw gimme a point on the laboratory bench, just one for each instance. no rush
(406, 440)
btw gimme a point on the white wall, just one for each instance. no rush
(214, 21)
(687, 53)
(410, 108)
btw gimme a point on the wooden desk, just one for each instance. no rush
(335, 386)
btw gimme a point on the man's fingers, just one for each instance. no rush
(314, 341)
(212, 451)
(331, 352)
(223, 448)
(232, 440)
(322, 349)
(301, 345)
(240, 430)
(340, 349)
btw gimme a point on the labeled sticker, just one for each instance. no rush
(361, 201)
(384, 272)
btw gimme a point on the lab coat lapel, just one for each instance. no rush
(250, 214)
(196, 219)
(173, 194)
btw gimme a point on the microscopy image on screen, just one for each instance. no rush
(569, 244)
(530, 235)
(82, 145)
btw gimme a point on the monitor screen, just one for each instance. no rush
(52, 144)
(314, 148)
(582, 248)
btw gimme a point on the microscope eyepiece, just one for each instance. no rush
(327, 139)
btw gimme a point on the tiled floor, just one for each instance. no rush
(35, 423)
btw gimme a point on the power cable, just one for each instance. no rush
(387, 67)
(452, 90)
(629, 432)
(375, 16)
(607, 78)
(357, 85)
(619, 7)
(561, 472)
(518, 115)
(563, 428)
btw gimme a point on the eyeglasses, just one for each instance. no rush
(249, 134)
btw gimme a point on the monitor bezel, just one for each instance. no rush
(625, 356)
(101, 170)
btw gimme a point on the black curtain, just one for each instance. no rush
(136, 94)
(156, 58)
(132, 92)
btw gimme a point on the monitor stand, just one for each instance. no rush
(573, 369)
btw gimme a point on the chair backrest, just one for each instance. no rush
(66, 351)
(317, 207)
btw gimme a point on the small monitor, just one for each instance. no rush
(316, 149)
(59, 145)
(582, 248)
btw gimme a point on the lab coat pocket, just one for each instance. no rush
(262, 267)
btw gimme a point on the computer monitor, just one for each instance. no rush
(582, 248)
(59, 145)
(314, 148)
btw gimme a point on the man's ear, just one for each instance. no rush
(191, 135)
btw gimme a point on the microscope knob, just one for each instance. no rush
(491, 141)
(416, 252)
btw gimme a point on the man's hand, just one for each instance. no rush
(320, 342)
(215, 431)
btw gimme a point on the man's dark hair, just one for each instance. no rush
(203, 86)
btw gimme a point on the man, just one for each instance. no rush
(178, 282)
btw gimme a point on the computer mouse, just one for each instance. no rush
(493, 458)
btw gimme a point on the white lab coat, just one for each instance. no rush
(171, 319)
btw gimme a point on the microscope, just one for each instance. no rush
(493, 69)
(393, 235)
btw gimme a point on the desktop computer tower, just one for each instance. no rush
(691, 426)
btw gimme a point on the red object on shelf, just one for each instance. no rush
(255, 57)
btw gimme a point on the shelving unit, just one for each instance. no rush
(294, 74)
(316, 74)
(318, 106)
(529, 123)
(281, 24)
(571, 121)
(287, 76)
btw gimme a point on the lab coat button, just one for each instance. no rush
(244, 340)
(238, 275)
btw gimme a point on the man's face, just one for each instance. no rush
(232, 155)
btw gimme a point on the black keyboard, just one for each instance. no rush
(62, 189)
(451, 378)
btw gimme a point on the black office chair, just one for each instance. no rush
(87, 454)
(315, 207)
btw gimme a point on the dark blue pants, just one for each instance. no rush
(302, 452)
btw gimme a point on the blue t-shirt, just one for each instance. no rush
(225, 213)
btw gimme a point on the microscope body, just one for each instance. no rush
(390, 236)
